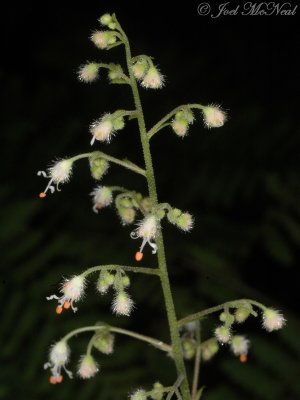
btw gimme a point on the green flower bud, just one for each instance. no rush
(227, 318)
(98, 166)
(241, 314)
(118, 123)
(125, 202)
(160, 214)
(140, 68)
(189, 348)
(140, 394)
(185, 222)
(209, 349)
(105, 19)
(173, 215)
(104, 342)
(105, 280)
(223, 334)
(125, 281)
(146, 204)
(127, 215)
(157, 392)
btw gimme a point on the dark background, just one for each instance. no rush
(241, 182)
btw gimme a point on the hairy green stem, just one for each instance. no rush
(154, 342)
(113, 267)
(162, 123)
(197, 361)
(175, 339)
(123, 163)
(228, 304)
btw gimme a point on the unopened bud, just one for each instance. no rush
(157, 392)
(105, 19)
(241, 314)
(104, 342)
(139, 69)
(209, 349)
(139, 394)
(227, 318)
(105, 281)
(118, 123)
(189, 348)
(146, 204)
(98, 166)
(102, 39)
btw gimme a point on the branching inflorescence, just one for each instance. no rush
(148, 214)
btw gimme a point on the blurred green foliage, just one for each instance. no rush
(241, 182)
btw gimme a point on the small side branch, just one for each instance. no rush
(211, 310)
(113, 267)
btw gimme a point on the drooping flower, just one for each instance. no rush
(122, 303)
(58, 358)
(146, 230)
(87, 367)
(103, 39)
(102, 129)
(88, 73)
(223, 334)
(273, 320)
(239, 345)
(102, 197)
(139, 394)
(153, 79)
(59, 173)
(214, 117)
(72, 290)
(104, 342)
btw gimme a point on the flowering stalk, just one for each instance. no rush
(154, 342)
(172, 319)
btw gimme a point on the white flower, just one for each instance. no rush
(87, 367)
(72, 290)
(214, 117)
(239, 345)
(88, 72)
(60, 172)
(58, 358)
(222, 333)
(122, 304)
(180, 127)
(153, 79)
(139, 394)
(102, 197)
(146, 230)
(102, 129)
(273, 320)
(102, 39)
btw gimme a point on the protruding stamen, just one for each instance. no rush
(59, 379)
(42, 195)
(59, 310)
(243, 358)
(67, 305)
(139, 255)
(52, 380)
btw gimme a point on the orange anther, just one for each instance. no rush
(59, 309)
(67, 305)
(42, 195)
(243, 358)
(59, 379)
(52, 380)
(139, 256)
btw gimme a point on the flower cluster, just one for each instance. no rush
(122, 303)
(147, 73)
